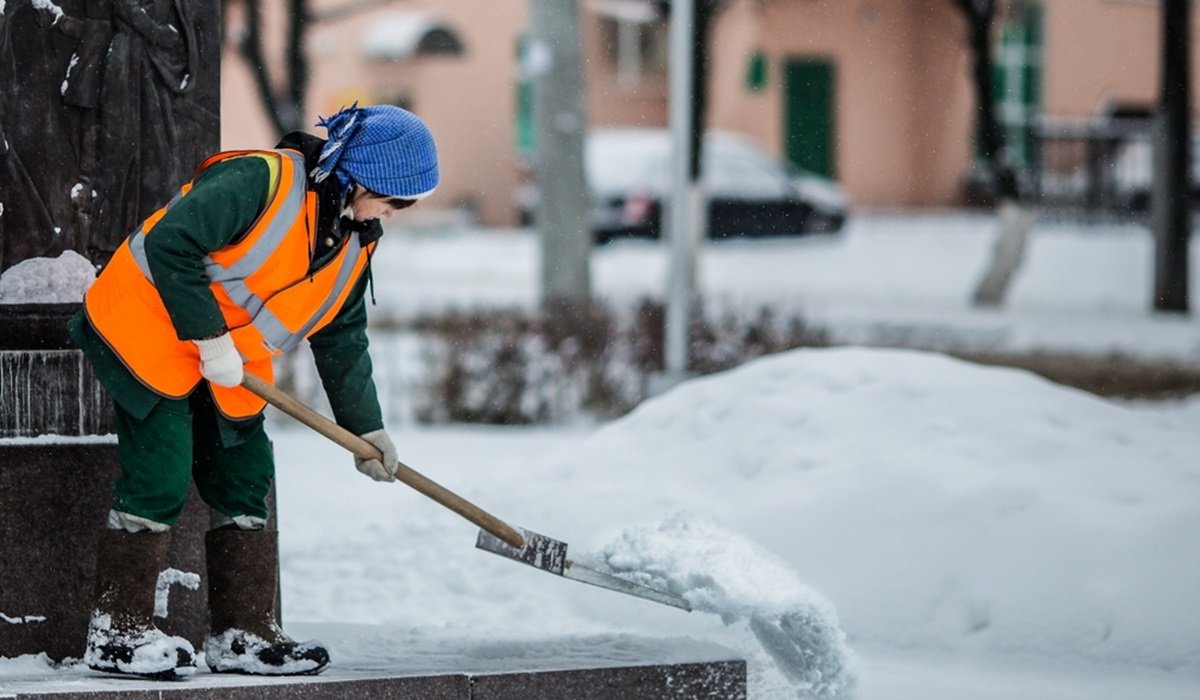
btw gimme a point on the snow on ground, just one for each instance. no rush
(973, 515)
(972, 532)
(884, 278)
(980, 532)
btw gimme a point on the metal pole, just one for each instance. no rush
(685, 194)
(1172, 151)
(559, 125)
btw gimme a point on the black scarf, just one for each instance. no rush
(332, 227)
(330, 222)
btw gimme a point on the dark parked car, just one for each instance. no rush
(749, 192)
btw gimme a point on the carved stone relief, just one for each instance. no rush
(106, 107)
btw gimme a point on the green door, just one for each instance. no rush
(808, 115)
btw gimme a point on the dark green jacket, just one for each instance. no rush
(222, 205)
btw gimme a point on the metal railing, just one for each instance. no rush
(1099, 169)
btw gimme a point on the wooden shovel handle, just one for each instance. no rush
(366, 450)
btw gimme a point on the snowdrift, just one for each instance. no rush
(935, 505)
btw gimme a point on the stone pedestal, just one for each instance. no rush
(107, 108)
(58, 462)
(54, 498)
(46, 386)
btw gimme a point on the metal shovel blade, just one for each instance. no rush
(549, 554)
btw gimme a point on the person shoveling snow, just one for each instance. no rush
(261, 251)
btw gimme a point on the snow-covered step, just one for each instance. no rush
(724, 679)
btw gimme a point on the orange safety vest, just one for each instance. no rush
(261, 283)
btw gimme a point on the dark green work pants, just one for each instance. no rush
(180, 441)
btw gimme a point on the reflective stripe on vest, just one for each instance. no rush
(276, 334)
(137, 243)
(259, 304)
(232, 278)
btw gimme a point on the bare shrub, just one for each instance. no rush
(515, 367)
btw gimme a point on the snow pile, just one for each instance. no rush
(941, 506)
(61, 280)
(723, 573)
(31, 665)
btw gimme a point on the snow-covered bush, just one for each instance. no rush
(517, 367)
(513, 367)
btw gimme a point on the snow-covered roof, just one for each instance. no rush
(399, 35)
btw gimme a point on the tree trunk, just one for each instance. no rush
(980, 21)
(284, 107)
(1014, 220)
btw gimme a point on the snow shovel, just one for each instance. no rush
(495, 536)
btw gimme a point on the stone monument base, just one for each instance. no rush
(680, 681)
(54, 496)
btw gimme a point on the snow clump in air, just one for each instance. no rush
(721, 572)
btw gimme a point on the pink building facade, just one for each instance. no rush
(874, 93)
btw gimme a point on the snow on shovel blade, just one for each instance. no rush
(549, 554)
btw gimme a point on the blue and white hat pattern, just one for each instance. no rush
(386, 149)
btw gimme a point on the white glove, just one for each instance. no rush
(379, 471)
(220, 361)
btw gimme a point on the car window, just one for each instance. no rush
(740, 176)
(621, 165)
(638, 160)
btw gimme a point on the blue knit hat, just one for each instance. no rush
(385, 149)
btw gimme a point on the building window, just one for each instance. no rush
(635, 49)
(439, 42)
(756, 72)
(407, 35)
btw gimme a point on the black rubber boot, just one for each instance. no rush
(122, 637)
(243, 570)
